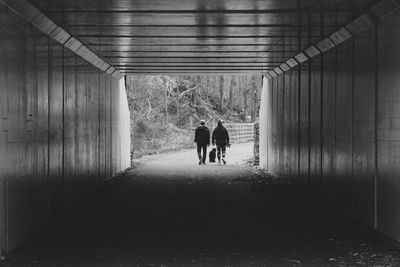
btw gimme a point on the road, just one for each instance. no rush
(169, 211)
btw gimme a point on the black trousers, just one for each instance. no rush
(204, 148)
(219, 150)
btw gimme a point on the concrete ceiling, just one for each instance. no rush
(201, 36)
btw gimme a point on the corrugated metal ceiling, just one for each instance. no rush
(155, 36)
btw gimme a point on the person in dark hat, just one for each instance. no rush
(220, 138)
(202, 138)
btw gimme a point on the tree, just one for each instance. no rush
(221, 92)
(231, 90)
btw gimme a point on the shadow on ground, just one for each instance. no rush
(168, 211)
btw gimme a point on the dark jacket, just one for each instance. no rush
(220, 136)
(202, 135)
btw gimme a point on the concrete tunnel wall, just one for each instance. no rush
(64, 129)
(333, 122)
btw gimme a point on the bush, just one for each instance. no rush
(142, 128)
(159, 138)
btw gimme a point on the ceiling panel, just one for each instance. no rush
(197, 5)
(203, 35)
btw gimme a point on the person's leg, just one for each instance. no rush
(199, 152)
(223, 154)
(219, 153)
(204, 153)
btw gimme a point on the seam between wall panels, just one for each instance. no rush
(321, 104)
(63, 128)
(272, 122)
(6, 204)
(49, 82)
(86, 134)
(266, 113)
(298, 101)
(335, 117)
(308, 62)
(332, 147)
(6, 178)
(376, 47)
(99, 129)
(105, 127)
(275, 123)
(298, 120)
(352, 123)
(283, 125)
(111, 128)
(321, 133)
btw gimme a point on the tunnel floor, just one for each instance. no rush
(169, 211)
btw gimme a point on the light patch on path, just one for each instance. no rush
(184, 163)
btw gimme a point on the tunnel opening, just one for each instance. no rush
(166, 109)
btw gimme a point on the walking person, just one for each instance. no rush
(220, 138)
(202, 138)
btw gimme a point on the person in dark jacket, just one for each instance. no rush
(220, 138)
(202, 138)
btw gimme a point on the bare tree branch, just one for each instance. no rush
(187, 91)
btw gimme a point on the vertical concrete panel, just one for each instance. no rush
(89, 143)
(102, 125)
(4, 53)
(70, 120)
(315, 121)
(94, 118)
(264, 124)
(389, 127)
(108, 128)
(80, 113)
(39, 206)
(124, 124)
(3, 176)
(294, 132)
(16, 48)
(116, 137)
(92, 121)
(275, 124)
(269, 112)
(273, 138)
(27, 85)
(363, 128)
(287, 124)
(96, 107)
(304, 123)
(344, 126)
(328, 118)
(280, 129)
(12, 50)
(56, 126)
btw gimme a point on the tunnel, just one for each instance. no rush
(327, 108)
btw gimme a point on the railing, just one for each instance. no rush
(240, 132)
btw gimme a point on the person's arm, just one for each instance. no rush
(196, 135)
(227, 136)
(208, 137)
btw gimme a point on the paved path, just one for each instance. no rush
(184, 164)
(169, 211)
